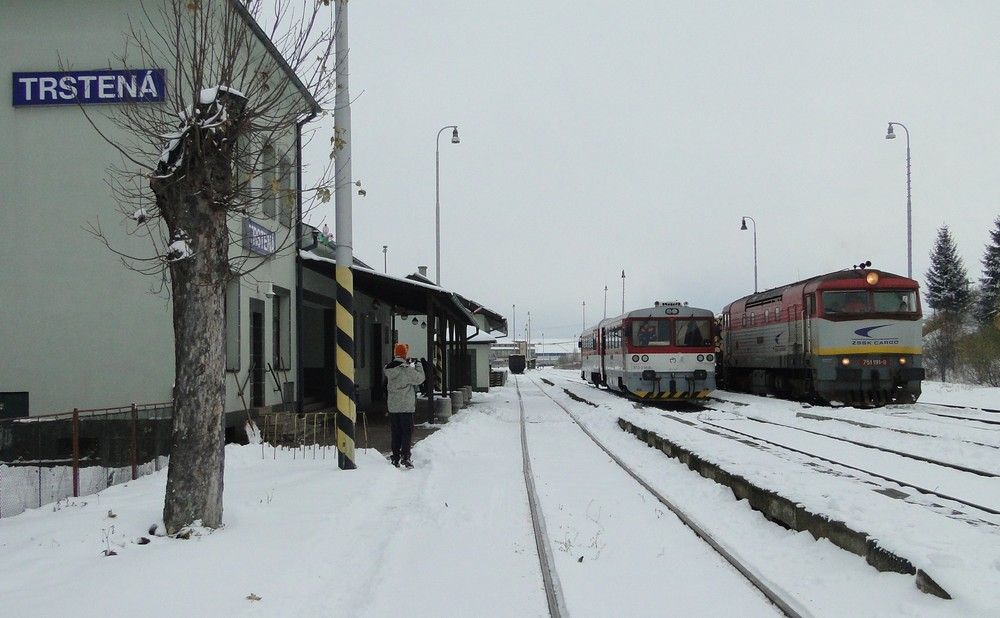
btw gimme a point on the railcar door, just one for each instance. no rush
(604, 355)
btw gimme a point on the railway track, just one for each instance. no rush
(951, 405)
(987, 421)
(936, 462)
(778, 598)
(872, 425)
(732, 433)
(550, 579)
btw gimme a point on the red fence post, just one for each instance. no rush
(76, 453)
(135, 444)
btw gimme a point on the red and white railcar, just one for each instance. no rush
(662, 352)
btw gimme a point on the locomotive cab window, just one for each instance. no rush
(693, 333)
(895, 301)
(650, 332)
(846, 302)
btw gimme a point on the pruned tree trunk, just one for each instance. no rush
(192, 185)
(195, 474)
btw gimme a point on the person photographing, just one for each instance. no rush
(402, 374)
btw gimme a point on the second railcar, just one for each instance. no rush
(664, 352)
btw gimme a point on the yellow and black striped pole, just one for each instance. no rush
(346, 414)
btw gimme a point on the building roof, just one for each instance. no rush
(324, 250)
(405, 294)
(266, 41)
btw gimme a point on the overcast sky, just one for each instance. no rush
(601, 136)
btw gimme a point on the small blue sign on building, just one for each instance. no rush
(257, 238)
(89, 87)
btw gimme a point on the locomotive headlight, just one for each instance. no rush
(845, 361)
(645, 358)
(872, 278)
(701, 357)
(710, 357)
(635, 358)
(902, 360)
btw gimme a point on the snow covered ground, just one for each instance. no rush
(453, 536)
(960, 395)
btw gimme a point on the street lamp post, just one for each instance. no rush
(437, 194)
(909, 210)
(605, 302)
(513, 324)
(743, 226)
(623, 292)
(385, 258)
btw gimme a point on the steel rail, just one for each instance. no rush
(965, 418)
(870, 425)
(788, 606)
(952, 405)
(838, 463)
(550, 579)
(884, 449)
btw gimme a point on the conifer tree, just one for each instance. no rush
(988, 307)
(947, 280)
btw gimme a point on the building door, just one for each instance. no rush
(256, 353)
(376, 363)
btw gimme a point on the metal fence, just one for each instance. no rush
(307, 435)
(44, 459)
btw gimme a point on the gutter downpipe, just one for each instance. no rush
(299, 339)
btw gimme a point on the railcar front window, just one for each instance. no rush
(692, 333)
(896, 301)
(650, 332)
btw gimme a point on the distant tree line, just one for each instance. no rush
(962, 338)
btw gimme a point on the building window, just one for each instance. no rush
(359, 340)
(287, 197)
(268, 181)
(280, 330)
(231, 317)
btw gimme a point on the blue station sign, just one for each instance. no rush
(89, 87)
(257, 238)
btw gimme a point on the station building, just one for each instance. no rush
(77, 329)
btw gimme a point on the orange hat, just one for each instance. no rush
(401, 350)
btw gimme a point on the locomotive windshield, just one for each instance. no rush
(896, 301)
(693, 333)
(651, 332)
(857, 302)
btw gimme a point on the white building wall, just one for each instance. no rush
(413, 335)
(77, 329)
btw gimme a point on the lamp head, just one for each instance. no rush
(889, 134)
(743, 225)
(454, 136)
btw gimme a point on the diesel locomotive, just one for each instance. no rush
(852, 337)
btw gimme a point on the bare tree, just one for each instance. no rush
(220, 150)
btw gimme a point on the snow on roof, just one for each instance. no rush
(309, 255)
(482, 337)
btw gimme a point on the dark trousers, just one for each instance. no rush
(401, 425)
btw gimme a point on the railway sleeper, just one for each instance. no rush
(790, 514)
